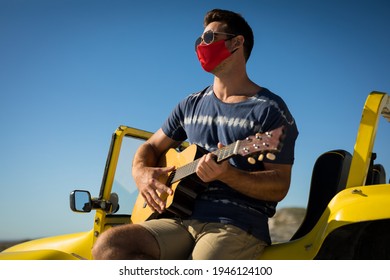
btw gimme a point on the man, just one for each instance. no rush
(230, 217)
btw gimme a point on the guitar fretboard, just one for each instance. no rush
(190, 168)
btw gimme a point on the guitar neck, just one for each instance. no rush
(259, 143)
(190, 168)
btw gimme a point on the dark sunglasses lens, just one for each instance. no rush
(208, 37)
(197, 42)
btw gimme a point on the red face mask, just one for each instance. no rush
(210, 56)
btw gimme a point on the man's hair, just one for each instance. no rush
(235, 24)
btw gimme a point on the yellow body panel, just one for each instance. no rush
(70, 246)
(347, 207)
(37, 255)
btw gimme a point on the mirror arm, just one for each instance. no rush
(109, 206)
(101, 204)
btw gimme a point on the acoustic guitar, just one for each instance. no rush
(184, 182)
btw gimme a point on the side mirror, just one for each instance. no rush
(80, 201)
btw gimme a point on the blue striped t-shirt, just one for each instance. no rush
(203, 119)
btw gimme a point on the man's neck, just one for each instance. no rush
(235, 87)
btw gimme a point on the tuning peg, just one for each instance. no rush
(261, 157)
(258, 136)
(251, 160)
(271, 156)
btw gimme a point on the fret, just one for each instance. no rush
(190, 168)
(184, 171)
(225, 152)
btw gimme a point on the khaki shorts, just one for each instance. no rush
(194, 240)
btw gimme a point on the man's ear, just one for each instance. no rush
(239, 41)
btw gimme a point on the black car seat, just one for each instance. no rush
(376, 173)
(330, 174)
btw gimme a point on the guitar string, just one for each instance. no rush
(190, 168)
(221, 154)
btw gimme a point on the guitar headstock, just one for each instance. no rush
(261, 144)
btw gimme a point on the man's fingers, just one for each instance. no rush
(153, 192)
(160, 186)
(152, 203)
(152, 183)
(167, 169)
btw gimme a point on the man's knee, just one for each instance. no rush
(125, 242)
(104, 247)
(97, 252)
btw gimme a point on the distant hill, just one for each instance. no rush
(6, 244)
(285, 223)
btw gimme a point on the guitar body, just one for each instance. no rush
(184, 191)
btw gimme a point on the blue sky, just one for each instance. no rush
(72, 71)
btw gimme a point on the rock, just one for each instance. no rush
(285, 223)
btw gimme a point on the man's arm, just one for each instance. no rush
(145, 172)
(272, 184)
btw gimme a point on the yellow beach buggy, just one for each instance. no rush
(347, 215)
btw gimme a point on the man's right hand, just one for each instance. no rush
(147, 181)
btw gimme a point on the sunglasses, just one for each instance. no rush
(209, 36)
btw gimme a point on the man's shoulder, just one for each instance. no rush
(199, 95)
(266, 93)
(268, 96)
(207, 91)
